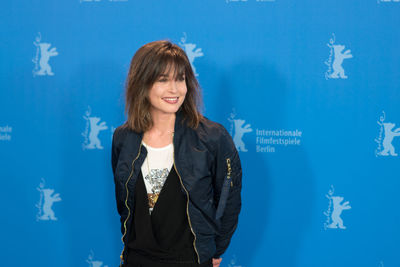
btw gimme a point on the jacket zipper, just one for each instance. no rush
(187, 209)
(126, 204)
(228, 164)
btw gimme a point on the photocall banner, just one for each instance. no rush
(308, 89)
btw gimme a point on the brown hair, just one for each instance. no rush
(148, 63)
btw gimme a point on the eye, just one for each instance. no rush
(181, 78)
(162, 79)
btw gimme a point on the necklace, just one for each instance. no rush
(148, 166)
(156, 176)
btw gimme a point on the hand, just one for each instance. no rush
(216, 262)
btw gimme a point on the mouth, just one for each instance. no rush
(171, 100)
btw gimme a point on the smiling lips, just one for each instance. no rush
(171, 100)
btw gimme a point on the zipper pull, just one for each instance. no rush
(228, 163)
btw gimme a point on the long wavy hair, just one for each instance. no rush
(147, 65)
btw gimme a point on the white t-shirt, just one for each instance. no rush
(155, 170)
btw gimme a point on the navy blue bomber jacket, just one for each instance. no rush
(210, 173)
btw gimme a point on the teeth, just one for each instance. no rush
(171, 99)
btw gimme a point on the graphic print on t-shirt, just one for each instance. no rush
(156, 178)
(155, 170)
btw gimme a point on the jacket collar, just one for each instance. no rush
(179, 125)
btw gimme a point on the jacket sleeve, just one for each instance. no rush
(115, 150)
(228, 190)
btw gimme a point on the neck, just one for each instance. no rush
(163, 123)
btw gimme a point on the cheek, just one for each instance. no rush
(151, 96)
(155, 92)
(183, 90)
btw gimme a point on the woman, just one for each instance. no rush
(177, 174)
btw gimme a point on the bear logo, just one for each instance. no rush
(240, 130)
(45, 54)
(232, 262)
(237, 130)
(191, 52)
(338, 71)
(388, 148)
(92, 130)
(337, 221)
(46, 203)
(95, 128)
(94, 263)
(42, 57)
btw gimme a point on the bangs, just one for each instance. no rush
(167, 61)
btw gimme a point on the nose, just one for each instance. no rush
(173, 86)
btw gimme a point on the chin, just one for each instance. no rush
(170, 110)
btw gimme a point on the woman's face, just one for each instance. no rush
(167, 93)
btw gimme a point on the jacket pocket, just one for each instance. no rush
(225, 191)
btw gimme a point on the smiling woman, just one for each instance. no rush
(160, 65)
(177, 174)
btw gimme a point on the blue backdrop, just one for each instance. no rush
(308, 89)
